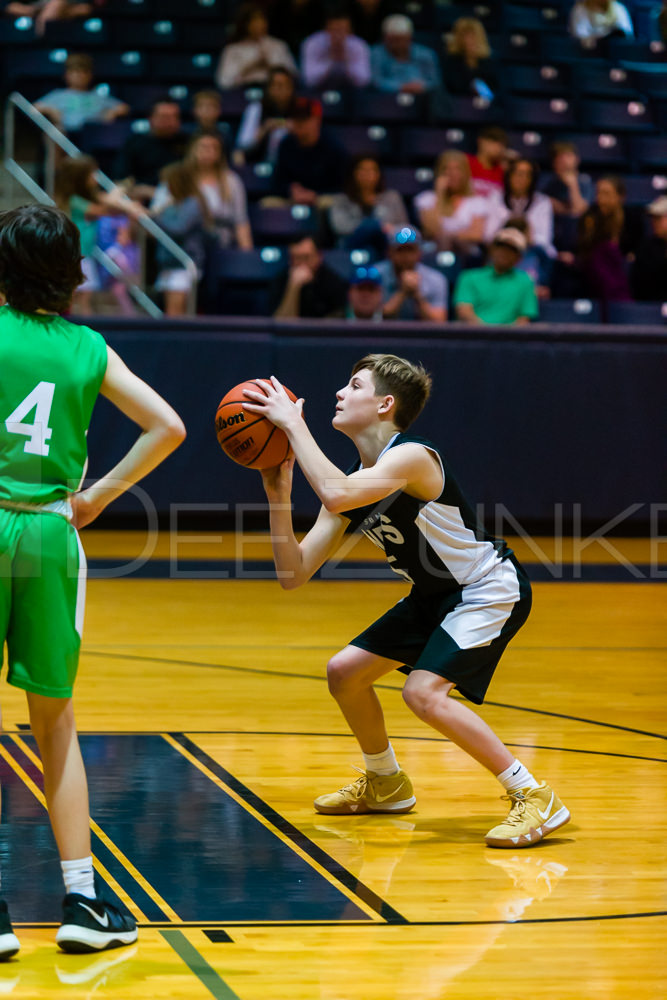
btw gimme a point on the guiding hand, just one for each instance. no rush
(274, 404)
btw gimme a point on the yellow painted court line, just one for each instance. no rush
(109, 844)
(274, 830)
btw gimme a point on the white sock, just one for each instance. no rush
(79, 877)
(381, 763)
(516, 776)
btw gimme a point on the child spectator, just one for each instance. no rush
(264, 123)
(452, 214)
(78, 194)
(222, 190)
(594, 19)
(71, 106)
(252, 52)
(468, 68)
(187, 220)
(487, 165)
(609, 236)
(500, 292)
(521, 197)
(207, 113)
(366, 212)
(335, 57)
(570, 191)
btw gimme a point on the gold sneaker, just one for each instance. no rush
(370, 793)
(535, 813)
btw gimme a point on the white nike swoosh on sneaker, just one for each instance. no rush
(547, 810)
(383, 798)
(102, 921)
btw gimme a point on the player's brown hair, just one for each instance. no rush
(408, 383)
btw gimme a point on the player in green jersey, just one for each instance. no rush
(51, 372)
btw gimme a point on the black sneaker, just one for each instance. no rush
(9, 943)
(93, 925)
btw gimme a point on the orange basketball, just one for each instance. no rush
(248, 438)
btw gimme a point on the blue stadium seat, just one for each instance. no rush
(282, 225)
(78, 33)
(464, 111)
(424, 145)
(651, 84)
(637, 51)
(532, 144)
(617, 116)
(29, 64)
(186, 67)
(570, 311)
(600, 151)
(536, 80)
(489, 14)
(541, 113)
(643, 188)
(196, 35)
(533, 17)
(97, 138)
(127, 64)
(237, 282)
(519, 47)
(257, 179)
(133, 8)
(604, 81)
(343, 262)
(648, 152)
(200, 10)
(448, 264)
(375, 107)
(141, 96)
(158, 33)
(637, 313)
(408, 181)
(376, 140)
(17, 31)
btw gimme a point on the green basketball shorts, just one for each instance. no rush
(42, 597)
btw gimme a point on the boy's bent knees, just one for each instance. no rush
(424, 690)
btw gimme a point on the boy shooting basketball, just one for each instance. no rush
(469, 594)
(51, 373)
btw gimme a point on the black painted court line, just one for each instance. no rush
(350, 881)
(349, 571)
(383, 687)
(198, 965)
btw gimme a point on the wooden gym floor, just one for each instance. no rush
(207, 730)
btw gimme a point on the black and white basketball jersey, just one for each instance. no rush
(436, 545)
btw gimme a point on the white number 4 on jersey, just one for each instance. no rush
(38, 432)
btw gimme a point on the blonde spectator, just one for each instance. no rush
(468, 67)
(222, 190)
(252, 52)
(452, 214)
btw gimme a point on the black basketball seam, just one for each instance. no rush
(259, 453)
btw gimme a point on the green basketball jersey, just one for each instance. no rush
(51, 371)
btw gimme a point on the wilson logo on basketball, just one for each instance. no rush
(235, 418)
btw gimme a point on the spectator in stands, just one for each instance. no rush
(571, 192)
(252, 52)
(310, 165)
(487, 165)
(222, 191)
(595, 19)
(649, 269)
(411, 290)
(264, 123)
(79, 195)
(44, 11)
(609, 236)
(535, 261)
(521, 197)
(71, 106)
(468, 67)
(144, 154)
(367, 17)
(311, 289)
(366, 212)
(398, 64)
(452, 214)
(185, 217)
(364, 296)
(207, 113)
(500, 292)
(334, 57)
(294, 20)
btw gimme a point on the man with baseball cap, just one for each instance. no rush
(649, 271)
(500, 292)
(399, 65)
(411, 290)
(310, 163)
(364, 296)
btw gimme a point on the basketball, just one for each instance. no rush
(248, 438)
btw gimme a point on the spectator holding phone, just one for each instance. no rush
(468, 67)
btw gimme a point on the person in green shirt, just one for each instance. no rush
(52, 372)
(500, 292)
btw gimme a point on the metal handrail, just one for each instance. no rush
(56, 138)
